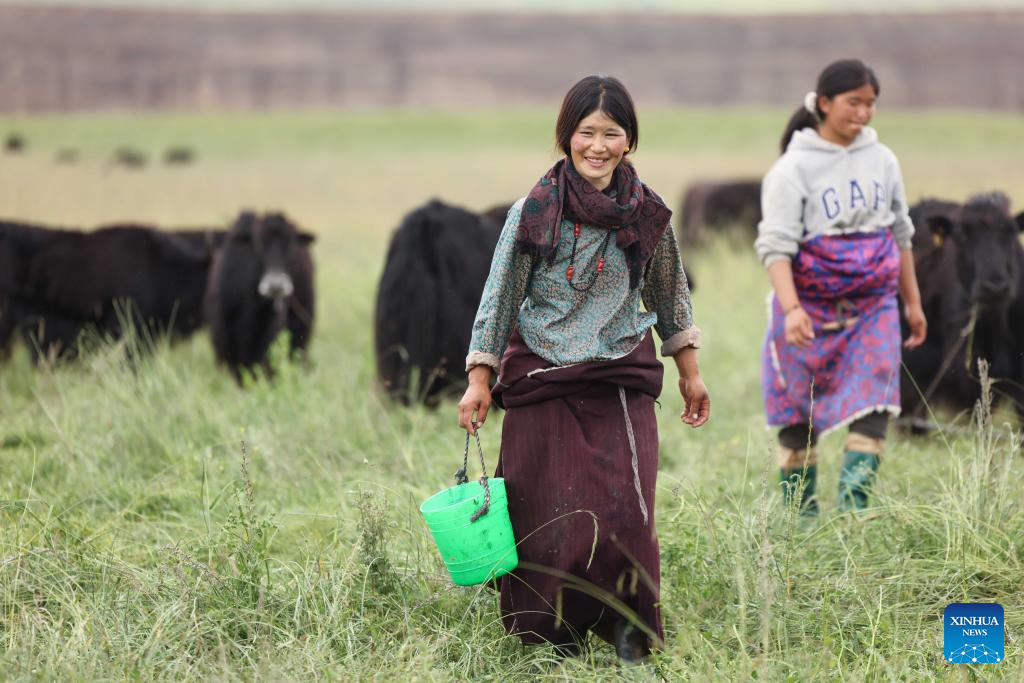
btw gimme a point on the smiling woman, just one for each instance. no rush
(597, 138)
(578, 376)
(597, 146)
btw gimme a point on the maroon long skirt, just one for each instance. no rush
(586, 539)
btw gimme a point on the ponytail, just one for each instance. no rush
(800, 119)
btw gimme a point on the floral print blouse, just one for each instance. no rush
(565, 326)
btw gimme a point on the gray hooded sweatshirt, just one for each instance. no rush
(820, 188)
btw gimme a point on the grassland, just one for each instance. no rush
(138, 542)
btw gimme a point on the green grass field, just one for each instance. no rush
(138, 543)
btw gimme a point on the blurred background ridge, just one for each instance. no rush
(87, 58)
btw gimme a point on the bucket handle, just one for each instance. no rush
(462, 478)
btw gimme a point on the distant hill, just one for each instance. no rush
(581, 6)
(80, 59)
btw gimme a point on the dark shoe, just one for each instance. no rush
(856, 480)
(791, 485)
(630, 642)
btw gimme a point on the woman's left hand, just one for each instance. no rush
(696, 399)
(918, 326)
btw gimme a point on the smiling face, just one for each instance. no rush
(846, 114)
(597, 147)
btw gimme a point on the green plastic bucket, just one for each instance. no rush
(473, 552)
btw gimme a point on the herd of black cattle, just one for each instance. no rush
(970, 266)
(61, 288)
(253, 279)
(125, 156)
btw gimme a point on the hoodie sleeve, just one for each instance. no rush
(902, 226)
(782, 226)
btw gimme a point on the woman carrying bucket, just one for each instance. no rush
(560, 322)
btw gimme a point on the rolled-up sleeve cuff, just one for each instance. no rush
(769, 259)
(680, 340)
(480, 358)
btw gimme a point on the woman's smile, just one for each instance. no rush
(597, 147)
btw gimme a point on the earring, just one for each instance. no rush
(627, 151)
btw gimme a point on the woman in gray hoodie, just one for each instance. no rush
(835, 239)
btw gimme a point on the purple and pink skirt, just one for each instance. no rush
(848, 285)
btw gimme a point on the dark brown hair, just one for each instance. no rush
(838, 77)
(591, 94)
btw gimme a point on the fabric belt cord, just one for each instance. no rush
(632, 448)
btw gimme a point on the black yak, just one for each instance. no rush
(129, 157)
(719, 204)
(14, 143)
(137, 275)
(19, 243)
(260, 284)
(497, 214)
(55, 283)
(970, 266)
(427, 298)
(179, 156)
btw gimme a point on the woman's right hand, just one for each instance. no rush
(799, 330)
(477, 399)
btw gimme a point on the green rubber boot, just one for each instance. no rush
(791, 484)
(856, 480)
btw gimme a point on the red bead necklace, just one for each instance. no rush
(571, 270)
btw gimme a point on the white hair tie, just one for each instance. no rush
(811, 103)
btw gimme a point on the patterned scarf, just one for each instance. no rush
(638, 216)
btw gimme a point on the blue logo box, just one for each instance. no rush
(974, 632)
